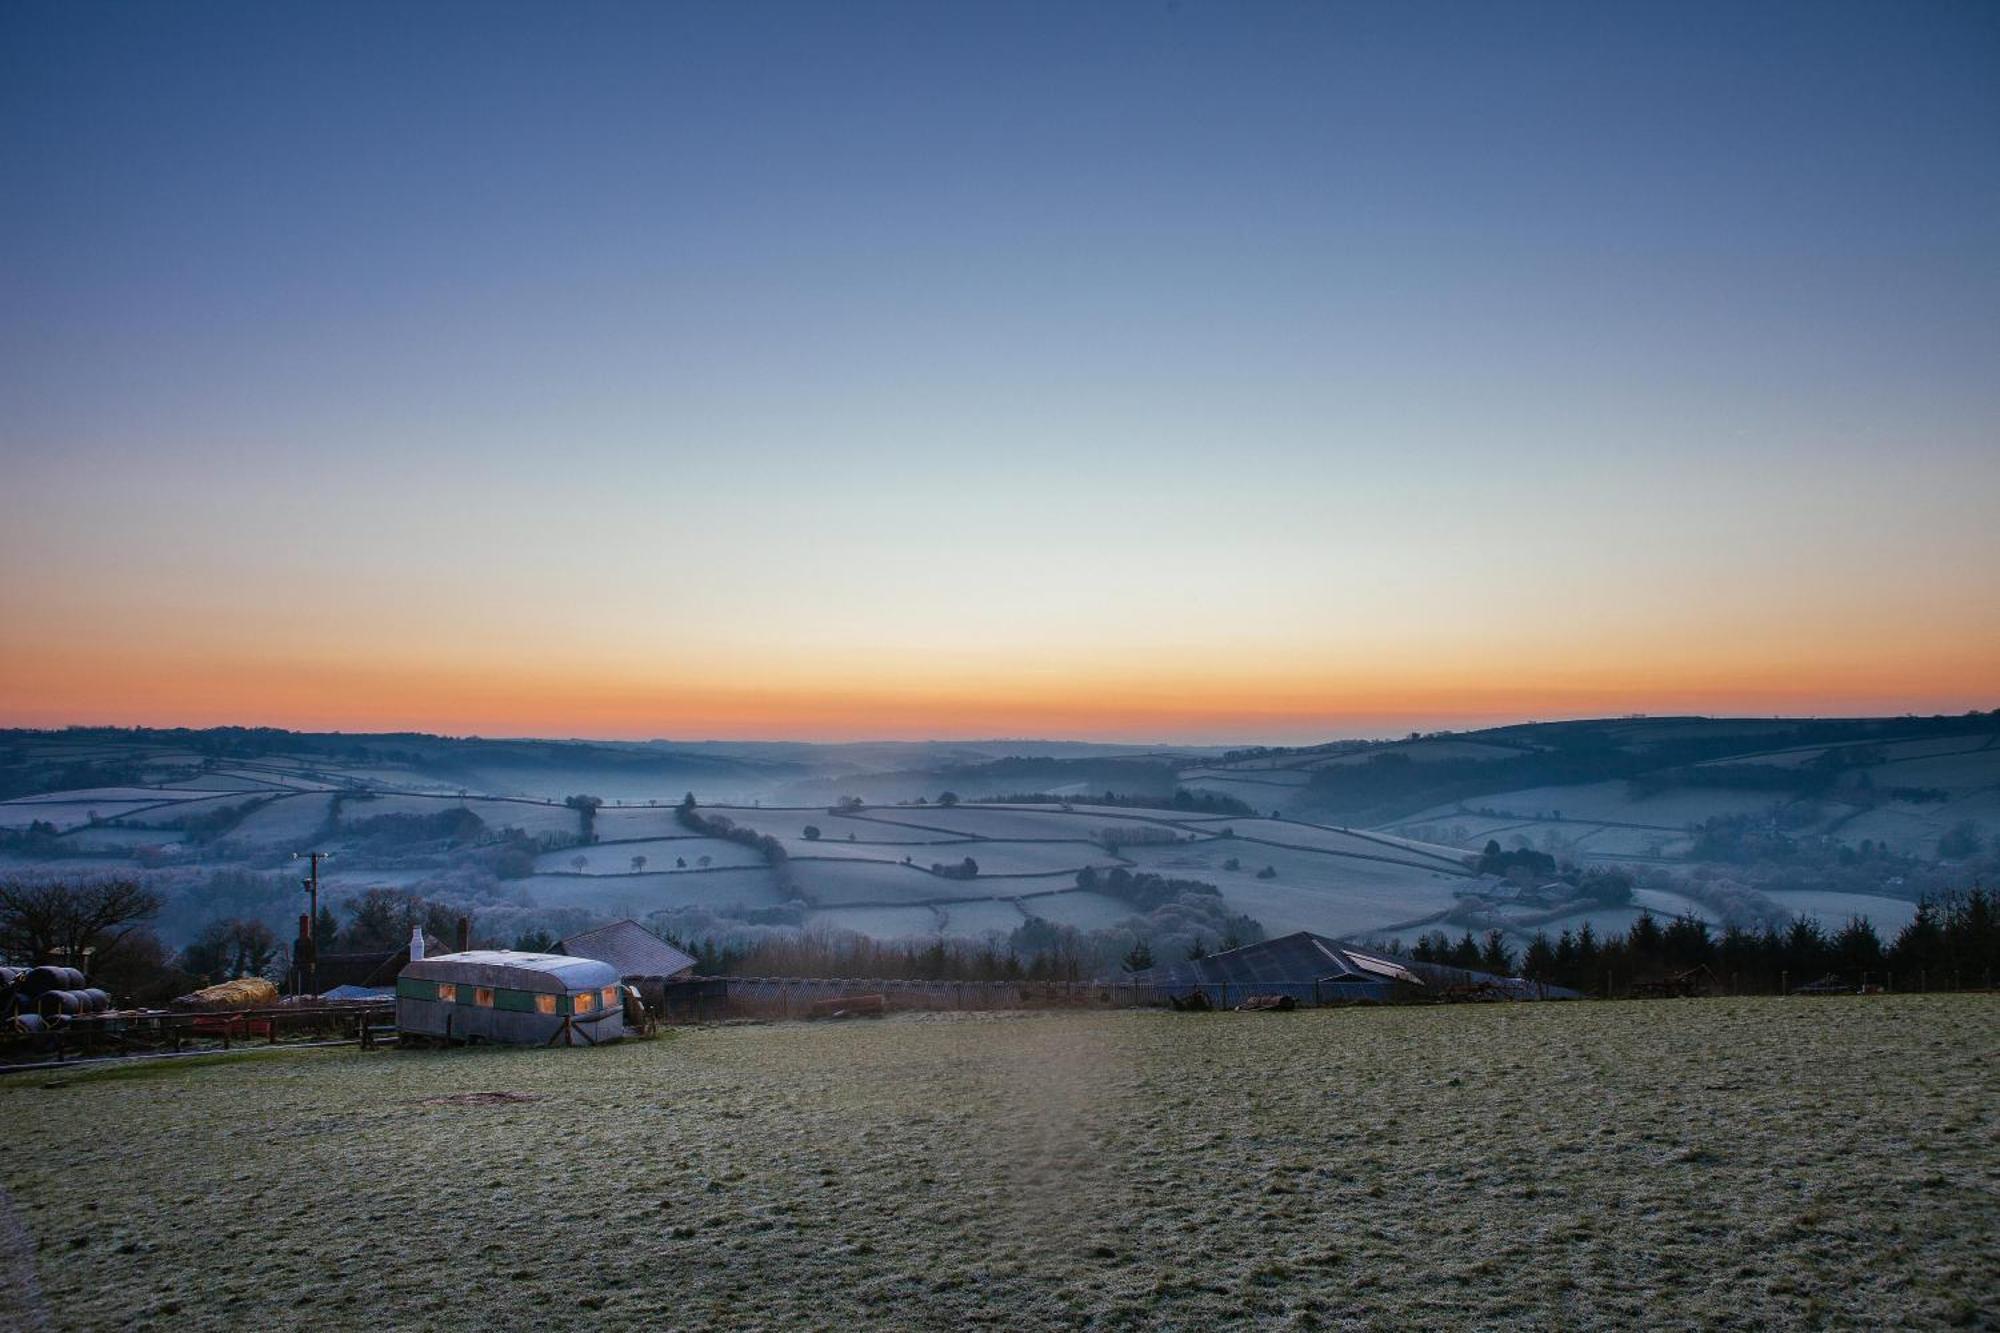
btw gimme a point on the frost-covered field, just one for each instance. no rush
(842, 883)
(1613, 802)
(1832, 910)
(1744, 1164)
(1004, 823)
(882, 923)
(287, 819)
(636, 895)
(65, 814)
(1311, 890)
(661, 854)
(532, 817)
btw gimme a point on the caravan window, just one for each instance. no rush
(483, 996)
(583, 1003)
(545, 1004)
(448, 992)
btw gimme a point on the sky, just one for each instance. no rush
(1198, 372)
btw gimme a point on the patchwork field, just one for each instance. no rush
(1888, 915)
(1744, 1164)
(841, 883)
(1085, 911)
(1311, 890)
(287, 820)
(64, 814)
(534, 818)
(1614, 803)
(882, 923)
(636, 895)
(638, 821)
(660, 853)
(111, 838)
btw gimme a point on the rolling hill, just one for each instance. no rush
(1733, 820)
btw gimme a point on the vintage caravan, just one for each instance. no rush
(520, 999)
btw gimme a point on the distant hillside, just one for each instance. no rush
(33, 762)
(1517, 829)
(1650, 788)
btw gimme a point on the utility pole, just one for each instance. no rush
(310, 981)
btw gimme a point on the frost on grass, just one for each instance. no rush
(1737, 1164)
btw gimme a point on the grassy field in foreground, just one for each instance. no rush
(1727, 1163)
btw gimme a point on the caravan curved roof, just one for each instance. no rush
(516, 971)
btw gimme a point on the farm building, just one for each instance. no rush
(374, 971)
(635, 952)
(1313, 969)
(1308, 967)
(520, 999)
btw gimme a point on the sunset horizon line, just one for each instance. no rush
(1383, 730)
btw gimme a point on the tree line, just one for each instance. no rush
(721, 826)
(1951, 942)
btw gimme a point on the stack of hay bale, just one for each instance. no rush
(242, 993)
(34, 998)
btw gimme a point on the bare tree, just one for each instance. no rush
(638, 864)
(39, 921)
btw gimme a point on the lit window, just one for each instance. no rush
(483, 996)
(583, 1003)
(545, 1004)
(610, 996)
(447, 992)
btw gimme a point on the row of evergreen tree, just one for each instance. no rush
(1950, 943)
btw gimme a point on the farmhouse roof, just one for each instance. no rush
(630, 948)
(374, 968)
(1297, 958)
(1303, 958)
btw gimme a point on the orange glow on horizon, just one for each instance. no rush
(65, 688)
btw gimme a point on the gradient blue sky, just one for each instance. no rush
(1192, 371)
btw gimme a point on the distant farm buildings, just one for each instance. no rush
(1313, 969)
(1310, 968)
